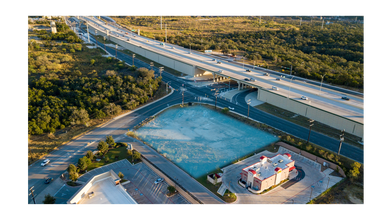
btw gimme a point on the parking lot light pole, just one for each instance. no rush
(310, 128)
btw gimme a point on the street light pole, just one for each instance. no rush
(216, 98)
(133, 59)
(322, 78)
(151, 65)
(290, 86)
(104, 42)
(248, 102)
(341, 141)
(310, 128)
(116, 50)
(160, 71)
(311, 190)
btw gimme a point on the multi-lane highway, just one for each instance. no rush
(328, 99)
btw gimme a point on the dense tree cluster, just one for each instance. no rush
(58, 103)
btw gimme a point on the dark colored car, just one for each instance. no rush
(345, 98)
(48, 180)
(278, 79)
(246, 79)
(248, 70)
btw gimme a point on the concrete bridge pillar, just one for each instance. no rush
(239, 85)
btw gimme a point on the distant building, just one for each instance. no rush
(53, 27)
(266, 173)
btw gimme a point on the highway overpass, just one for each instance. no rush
(325, 106)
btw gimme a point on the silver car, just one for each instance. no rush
(159, 180)
(45, 162)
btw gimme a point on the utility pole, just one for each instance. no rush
(310, 128)
(341, 141)
(31, 192)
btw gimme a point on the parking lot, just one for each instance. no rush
(143, 189)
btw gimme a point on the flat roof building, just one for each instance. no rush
(104, 188)
(267, 172)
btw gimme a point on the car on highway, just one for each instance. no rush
(231, 108)
(252, 79)
(221, 71)
(159, 180)
(304, 97)
(45, 162)
(219, 62)
(278, 79)
(246, 79)
(275, 88)
(345, 98)
(213, 59)
(266, 74)
(248, 70)
(48, 180)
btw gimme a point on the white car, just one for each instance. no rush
(159, 180)
(231, 108)
(45, 162)
(304, 97)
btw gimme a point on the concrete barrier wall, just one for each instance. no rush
(311, 112)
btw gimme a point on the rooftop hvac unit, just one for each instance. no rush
(275, 164)
(280, 161)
